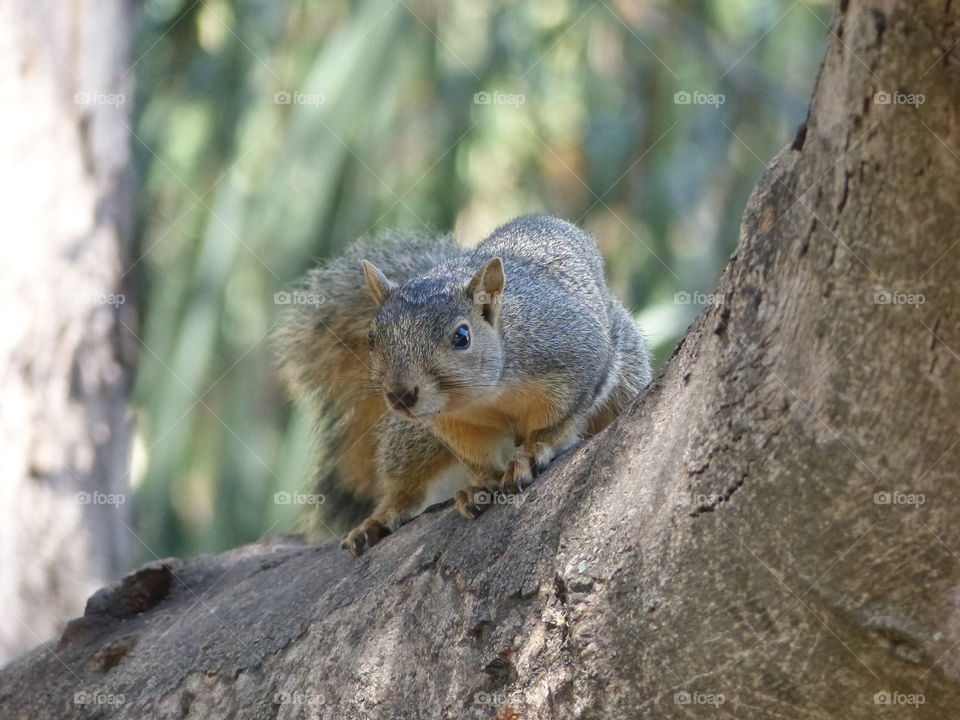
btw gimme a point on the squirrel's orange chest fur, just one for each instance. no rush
(476, 432)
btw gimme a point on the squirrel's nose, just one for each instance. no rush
(404, 400)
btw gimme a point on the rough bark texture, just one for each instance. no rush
(65, 358)
(724, 538)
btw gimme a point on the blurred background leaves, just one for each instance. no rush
(270, 133)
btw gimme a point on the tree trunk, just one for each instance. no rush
(770, 531)
(66, 359)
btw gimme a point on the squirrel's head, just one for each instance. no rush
(435, 345)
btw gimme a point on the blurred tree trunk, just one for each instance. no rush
(66, 361)
(770, 532)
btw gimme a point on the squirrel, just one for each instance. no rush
(422, 358)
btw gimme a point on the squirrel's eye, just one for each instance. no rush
(461, 338)
(370, 339)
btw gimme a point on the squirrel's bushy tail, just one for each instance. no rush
(323, 350)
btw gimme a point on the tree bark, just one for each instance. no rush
(66, 359)
(768, 533)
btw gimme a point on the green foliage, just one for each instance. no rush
(273, 132)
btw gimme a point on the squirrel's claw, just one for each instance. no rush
(519, 473)
(472, 502)
(364, 536)
(543, 455)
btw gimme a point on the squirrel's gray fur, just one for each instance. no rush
(552, 327)
(314, 339)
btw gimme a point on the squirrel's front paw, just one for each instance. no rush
(364, 536)
(472, 501)
(519, 473)
(543, 455)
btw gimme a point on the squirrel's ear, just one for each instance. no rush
(486, 287)
(377, 282)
